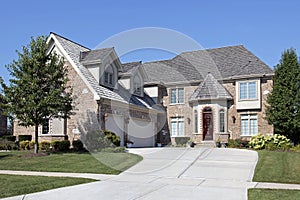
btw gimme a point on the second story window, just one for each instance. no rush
(137, 85)
(177, 96)
(45, 127)
(248, 90)
(109, 75)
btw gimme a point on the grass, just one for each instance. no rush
(106, 163)
(13, 185)
(268, 194)
(278, 167)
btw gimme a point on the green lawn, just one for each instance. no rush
(106, 163)
(278, 167)
(13, 185)
(267, 194)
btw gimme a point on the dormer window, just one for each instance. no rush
(109, 76)
(137, 85)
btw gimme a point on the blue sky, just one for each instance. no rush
(265, 27)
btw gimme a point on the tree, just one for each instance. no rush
(283, 110)
(38, 89)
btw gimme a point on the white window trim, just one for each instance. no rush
(239, 90)
(196, 123)
(249, 117)
(224, 119)
(177, 119)
(177, 89)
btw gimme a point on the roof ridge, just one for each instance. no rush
(210, 49)
(68, 40)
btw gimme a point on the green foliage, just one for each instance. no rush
(38, 88)
(181, 140)
(115, 139)
(11, 138)
(24, 145)
(25, 137)
(97, 140)
(238, 143)
(77, 145)
(60, 145)
(44, 146)
(273, 142)
(114, 150)
(8, 145)
(296, 148)
(284, 106)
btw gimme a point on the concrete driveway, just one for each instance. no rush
(171, 173)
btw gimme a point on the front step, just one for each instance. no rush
(206, 144)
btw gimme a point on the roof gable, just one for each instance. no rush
(210, 89)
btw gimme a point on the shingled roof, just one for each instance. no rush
(129, 68)
(210, 89)
(97, 55)
(121, 95)
(222, 63)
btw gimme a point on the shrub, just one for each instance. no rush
(274, 142)
(77, 145)
(10, 138)
(8, 145)
(24, 145)
(97, 140)
(58, 145)
(114, 150)
(25, 137)
(296, 148)
(111, 136)
(44, 146)
(181, 140)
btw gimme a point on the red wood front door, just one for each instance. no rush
(207, 124)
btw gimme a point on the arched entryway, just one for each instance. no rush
(207, 118)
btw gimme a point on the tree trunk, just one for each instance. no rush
(36, 139)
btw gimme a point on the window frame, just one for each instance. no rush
(46, 125)
(248, 118)
(196, 121)
(109, 76)
(222, 129)
(248, 91)
(177, 120)
(137, 87)
(177, 98)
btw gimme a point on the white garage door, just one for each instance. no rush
(115, 124)
(141, 133)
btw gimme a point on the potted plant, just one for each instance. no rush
(129, 144)
(218, 142)
(191, 143)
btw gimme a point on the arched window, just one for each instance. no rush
(137, 85)
(109, 75)
(222, 121)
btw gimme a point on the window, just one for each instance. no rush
(249, 125)
(108, 75)
(45, 127)
(195, 121)
(248, 90)
(137, 85)
(222, 121)
(177, 126)
(177, 95)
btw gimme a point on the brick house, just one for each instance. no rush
(211, 94)
(205, 95)
(101, 100)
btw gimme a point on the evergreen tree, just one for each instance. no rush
(38, 89)
(284, 108)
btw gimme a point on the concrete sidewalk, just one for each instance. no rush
(170, 173)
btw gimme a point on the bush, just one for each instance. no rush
(10, 138)
(296, 148)
(114, 150)
(58, 145)
(44, 146)
(181, 140)
(274, 142)
(25, 137)
(77, 145)
(8, 145)
(238, 143)
(24, 145)
(115, 139)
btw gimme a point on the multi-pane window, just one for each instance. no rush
(177, 126)
(249, 125)
(248, 90)
(177, 95)
(195, 121)
(45, 127)
(222, 121)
